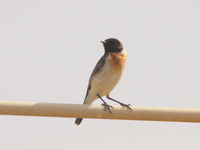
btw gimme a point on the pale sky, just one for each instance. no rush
(48, 49)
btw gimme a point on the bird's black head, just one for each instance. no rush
(112, 45)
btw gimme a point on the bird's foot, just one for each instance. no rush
(126, 105)
(107, 107)
(122, 104)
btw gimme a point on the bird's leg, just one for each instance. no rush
(122, 104)
(106, 106)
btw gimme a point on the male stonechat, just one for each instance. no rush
(106, 74)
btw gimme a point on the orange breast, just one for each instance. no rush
(117, 60)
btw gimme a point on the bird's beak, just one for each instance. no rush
(103, 42)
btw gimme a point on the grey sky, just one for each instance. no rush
(48, 49)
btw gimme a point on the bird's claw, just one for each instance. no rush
(127, 105)
(107, 107)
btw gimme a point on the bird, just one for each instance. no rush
(106, 74)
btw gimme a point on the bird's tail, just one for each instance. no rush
(78, 121)
(87, 97)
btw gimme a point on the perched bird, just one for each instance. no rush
(106, 74)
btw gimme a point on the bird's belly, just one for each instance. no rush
(106, 80)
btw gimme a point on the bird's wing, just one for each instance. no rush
(97, 68)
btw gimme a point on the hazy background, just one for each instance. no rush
(48, 49)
